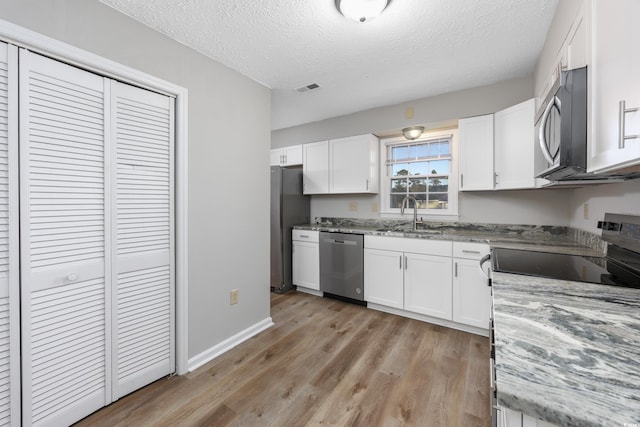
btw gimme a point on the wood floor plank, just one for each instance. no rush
(324, 362)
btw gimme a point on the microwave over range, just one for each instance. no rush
(562, 132)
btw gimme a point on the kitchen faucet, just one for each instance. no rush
(415, 210)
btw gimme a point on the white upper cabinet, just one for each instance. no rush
(613, 80)
(286, 156)
(476, 153)
(316, 167)
(341, 166)
(514, 147)
(353, 164)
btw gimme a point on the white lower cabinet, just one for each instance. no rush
(306, 259)
(409, 274)
(384, 277)
(427, 285)
(471, 293)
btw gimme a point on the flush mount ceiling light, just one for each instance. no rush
(412, 132)
(361, 10)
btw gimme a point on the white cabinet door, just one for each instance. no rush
(514, 147)
(613, 77)
(65, 300)
(276, 157)
(286, 156)
(293, 155)
(9, 244)
(471, 295)
(476, 153)
(316, 167)
(142, 242)
(384, 277)
(427, 285)
(306, 264)
(353, 164)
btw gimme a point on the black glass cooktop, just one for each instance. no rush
(556, 266)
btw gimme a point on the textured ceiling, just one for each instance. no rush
(415, 49)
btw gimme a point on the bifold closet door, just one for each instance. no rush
(9, 253)
(64, 268)
(143, 237)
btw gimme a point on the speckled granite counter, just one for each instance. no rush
(539, 238)
(567, 352)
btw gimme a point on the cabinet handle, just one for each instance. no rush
(455, 269)
(366, 184)
(622, 111)
(465, 251)
(495, 179)
(304, 236)
(400, 262)
(405, 262)
(461, 180)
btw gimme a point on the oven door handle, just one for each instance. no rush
(481, 264)
(542, 140)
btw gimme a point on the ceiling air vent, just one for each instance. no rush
(307, 88)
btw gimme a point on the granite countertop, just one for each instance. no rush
(567, 352)
(528, 237)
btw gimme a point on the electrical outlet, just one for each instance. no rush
(585, 212)
(233, 297)
(353, 206)
(374, 207)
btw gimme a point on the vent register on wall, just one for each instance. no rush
(97, 247)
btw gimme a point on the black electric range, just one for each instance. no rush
(621, 266)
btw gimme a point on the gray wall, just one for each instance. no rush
(623, 198)
(430, 112)
(542, 207)
(228, 220)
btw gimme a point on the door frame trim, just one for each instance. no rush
(72, 55)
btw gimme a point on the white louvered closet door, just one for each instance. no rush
(9, 253)
(143, 237)
(64, 271)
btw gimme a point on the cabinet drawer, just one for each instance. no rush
(305, 235)
(470, 250)
(418, 246)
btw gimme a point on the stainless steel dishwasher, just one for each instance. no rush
(342, 266)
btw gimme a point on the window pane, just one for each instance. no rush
(418, 168)
(396, 200)
(438, 201)
(400, 169)
(422, 201)
(439, 167)
(420, 151)
(399, 153)
(440, 149)
(417, 185)
(399, 186)
(438, 185)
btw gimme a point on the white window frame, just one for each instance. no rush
(451, 213)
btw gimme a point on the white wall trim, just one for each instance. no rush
(64, 52)
(226, 345)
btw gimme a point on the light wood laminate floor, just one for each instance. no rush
(325, 362)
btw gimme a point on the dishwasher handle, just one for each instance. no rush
(341, 242)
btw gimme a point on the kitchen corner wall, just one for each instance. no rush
(622, 198)
(538, 207)
(228, 225)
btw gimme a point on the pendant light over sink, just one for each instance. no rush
(361, 10)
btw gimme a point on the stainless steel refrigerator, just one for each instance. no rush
(289, 207)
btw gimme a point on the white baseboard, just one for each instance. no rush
(429, 319)
(309, 291)
(226, 345)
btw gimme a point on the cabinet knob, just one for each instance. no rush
(72, 277)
